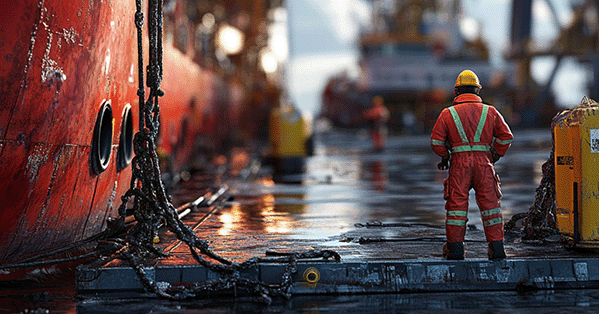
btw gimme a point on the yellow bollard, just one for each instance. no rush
(290, 140)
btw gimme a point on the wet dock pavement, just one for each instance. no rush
(370, 206)
(383, 213)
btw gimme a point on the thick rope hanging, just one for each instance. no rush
(152, 207)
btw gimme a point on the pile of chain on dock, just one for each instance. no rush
(152, 206)
(539, 222)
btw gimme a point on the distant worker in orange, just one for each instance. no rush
(474, 135)
(377, 117)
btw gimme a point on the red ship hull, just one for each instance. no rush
(62, 62)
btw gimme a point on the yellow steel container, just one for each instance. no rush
(567, 172)
(576, 137)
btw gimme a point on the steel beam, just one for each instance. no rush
(325, 278)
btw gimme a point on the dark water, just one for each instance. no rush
(558, 301)
(573, 301)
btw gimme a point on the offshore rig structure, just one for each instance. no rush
(416, 48)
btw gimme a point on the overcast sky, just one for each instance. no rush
(323, 42)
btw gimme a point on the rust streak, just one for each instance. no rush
(37, 158)
(56, 163)
(27, 66)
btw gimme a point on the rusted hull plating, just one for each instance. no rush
(61, 61)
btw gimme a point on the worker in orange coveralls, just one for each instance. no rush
(474, 135)
(377, 117)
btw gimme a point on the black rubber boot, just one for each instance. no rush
(496, 251)
(453, 250)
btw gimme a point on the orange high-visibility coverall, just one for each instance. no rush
(469, 129)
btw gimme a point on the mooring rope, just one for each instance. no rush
(152, 207)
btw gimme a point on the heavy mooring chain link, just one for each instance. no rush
(151, 206)
(540, 220)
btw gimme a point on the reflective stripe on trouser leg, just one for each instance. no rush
(487, 198)
(458, 185)
(455, 225)
(493, 224)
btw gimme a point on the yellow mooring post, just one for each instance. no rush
(290, 141)
(576, 137)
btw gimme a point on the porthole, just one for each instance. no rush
(102, 139)
(125, 151)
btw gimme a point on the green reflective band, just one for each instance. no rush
(491, 222)
(470, 148)
(490, 212)
(458, 124)
(481, 123)
(456, 222)
(480, 148)
(503, 142)
(437, 142)
(458, 213)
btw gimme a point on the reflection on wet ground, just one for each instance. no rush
(368, 205)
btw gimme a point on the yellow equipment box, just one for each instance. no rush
(576, 137)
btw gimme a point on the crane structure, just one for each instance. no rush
(578, 39)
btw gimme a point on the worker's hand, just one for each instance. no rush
(494, 155)
(444, 164)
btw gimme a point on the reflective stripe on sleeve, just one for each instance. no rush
(437, 142)
(503, 142)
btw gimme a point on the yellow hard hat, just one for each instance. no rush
(467, 78)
